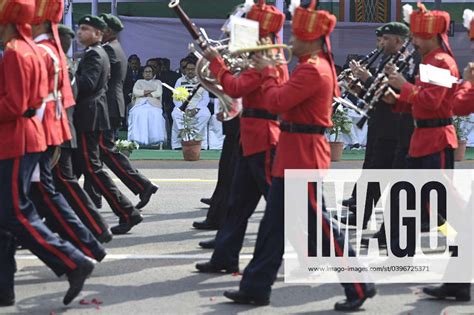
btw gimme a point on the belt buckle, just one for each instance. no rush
(415, 123)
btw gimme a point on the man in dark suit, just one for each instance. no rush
(116, 161)
(91, 119)
(169, 77)
(134, 73)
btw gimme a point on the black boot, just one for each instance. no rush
(206, 201)
(355, 303)
(349, 202)
(146, 195)
(241, 297)
(210, 244)
(76, 279)
(458, 291)
(208, 267)
(124, 227)
(205, 225)
(7, 298)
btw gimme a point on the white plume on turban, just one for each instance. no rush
(248, 5)
(407, 11)
(294, 4)
(467, 17)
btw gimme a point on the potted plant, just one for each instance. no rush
(461, 132)
(126, 147)
(341, 125)
(190, 137)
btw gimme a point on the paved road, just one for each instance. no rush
(151, 270)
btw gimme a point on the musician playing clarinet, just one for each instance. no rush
(385, 126)
(434, 138)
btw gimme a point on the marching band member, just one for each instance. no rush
(22, 142)
(259, 132)
(434, 138)
(304, 103)
(51, 205)
(91, 121)
(464, 96)
(463, 101)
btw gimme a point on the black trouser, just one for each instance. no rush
(261, 272)
(119, 164)
(382, 157)
(7, 262)
(250, 183)
(59, 216)
(369, 150)
(439, 160)
(89, 150)
(218, 209)
(18, 215)
(78, 199)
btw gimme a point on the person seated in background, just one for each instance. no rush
(199, 101)
(146, 124)
(155, 63)
(169, 77)
(134, 73)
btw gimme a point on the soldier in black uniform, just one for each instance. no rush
(116, 161)
(351, 201)
(384, 131)
(64, 176)
(92, 120)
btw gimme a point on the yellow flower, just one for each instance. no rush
(180, 94)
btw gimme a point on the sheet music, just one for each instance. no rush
(244, 33)
(437, 76)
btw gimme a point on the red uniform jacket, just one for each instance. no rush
(56, 130)
(20, 89)
(305, 99)
(428, 101)
(463, 100)
(257, 135)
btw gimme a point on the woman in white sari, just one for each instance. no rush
(146, 124)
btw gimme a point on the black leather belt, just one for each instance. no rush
(432, 123)
(258, 113)
(302, 128)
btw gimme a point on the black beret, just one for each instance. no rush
(65, 30)
(378, 31)
(112, 22)
(93, 21)
(395, 28)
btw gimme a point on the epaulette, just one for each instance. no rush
(314, 60)
(439, 56)
(12, 44)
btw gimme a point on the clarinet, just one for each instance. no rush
(368, 59)
(374, 53)
(379, 80)
(190, 97)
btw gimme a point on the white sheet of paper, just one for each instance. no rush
(436, 76)
(244, 33)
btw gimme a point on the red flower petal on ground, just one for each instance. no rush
(84, 302)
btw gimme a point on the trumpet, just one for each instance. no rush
(261, 48)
